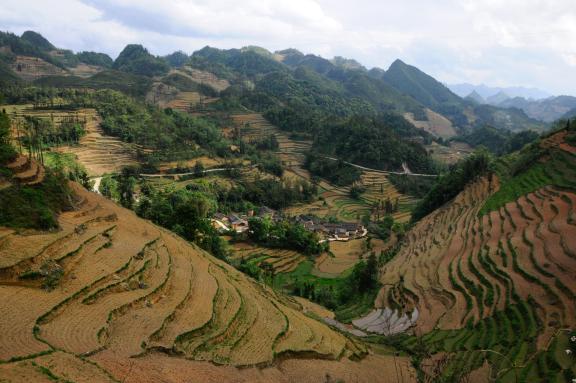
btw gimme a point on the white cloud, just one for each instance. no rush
(512, 42)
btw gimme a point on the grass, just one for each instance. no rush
(302, 276)
(558, 170)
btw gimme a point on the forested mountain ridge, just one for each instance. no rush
(419, 85)
(401, 89)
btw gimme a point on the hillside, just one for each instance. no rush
(493, 269)
(117, 287)
(31, 57)
(422, 87)
(273, 83)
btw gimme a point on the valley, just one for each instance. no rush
(252, 216)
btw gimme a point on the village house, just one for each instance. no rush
(238, 224)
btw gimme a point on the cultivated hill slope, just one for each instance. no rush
(494, 269)
(110, 286)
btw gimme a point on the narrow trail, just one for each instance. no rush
(188, 173)
(406, 171)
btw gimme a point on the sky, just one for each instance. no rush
(528, 43)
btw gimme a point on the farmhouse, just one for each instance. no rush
(237, 223)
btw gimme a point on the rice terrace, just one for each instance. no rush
(175, 212)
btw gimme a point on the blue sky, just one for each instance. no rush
(497, 42)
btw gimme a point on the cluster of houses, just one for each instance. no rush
(332, 231)
(328, 231)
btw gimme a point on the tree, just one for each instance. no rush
(6, 150)
(126, 184)
(108, 186)
(198, 169)
(356, 191)
(259, 229)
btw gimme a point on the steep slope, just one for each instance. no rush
(109, 286)
(37, 40)
(424, 88)
(494, 268)
(136, 59)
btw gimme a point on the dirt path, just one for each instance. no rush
(404, 166)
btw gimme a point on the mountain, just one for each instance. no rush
(14, 46)
(177, 59)
(547, 110)
(31, 57)
(347, 63)
(38, 41)
(340, 86)
(498, 141)
(497, 98)
(475, 97)
(422, 87)
(486, 91)
(96, 59)
(136, 59)
(289, 56)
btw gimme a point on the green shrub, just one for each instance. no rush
(35, 206)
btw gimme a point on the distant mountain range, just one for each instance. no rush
(546, 109)
(465, 89)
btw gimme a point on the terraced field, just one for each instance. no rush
(166, 96)
(32, 68)
(202, 77)
(26, 171)
(189, 102)
(344, 255)
(109, 286)
(449, 154)
(435, 124)
(512, 265)
(98, 152)
(281, 260)
(336, 200)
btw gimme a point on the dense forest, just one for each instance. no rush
(336, 171)
(383, 142)
(498, 141)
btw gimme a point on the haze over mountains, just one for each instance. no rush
(486, 91)
(536, 103)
